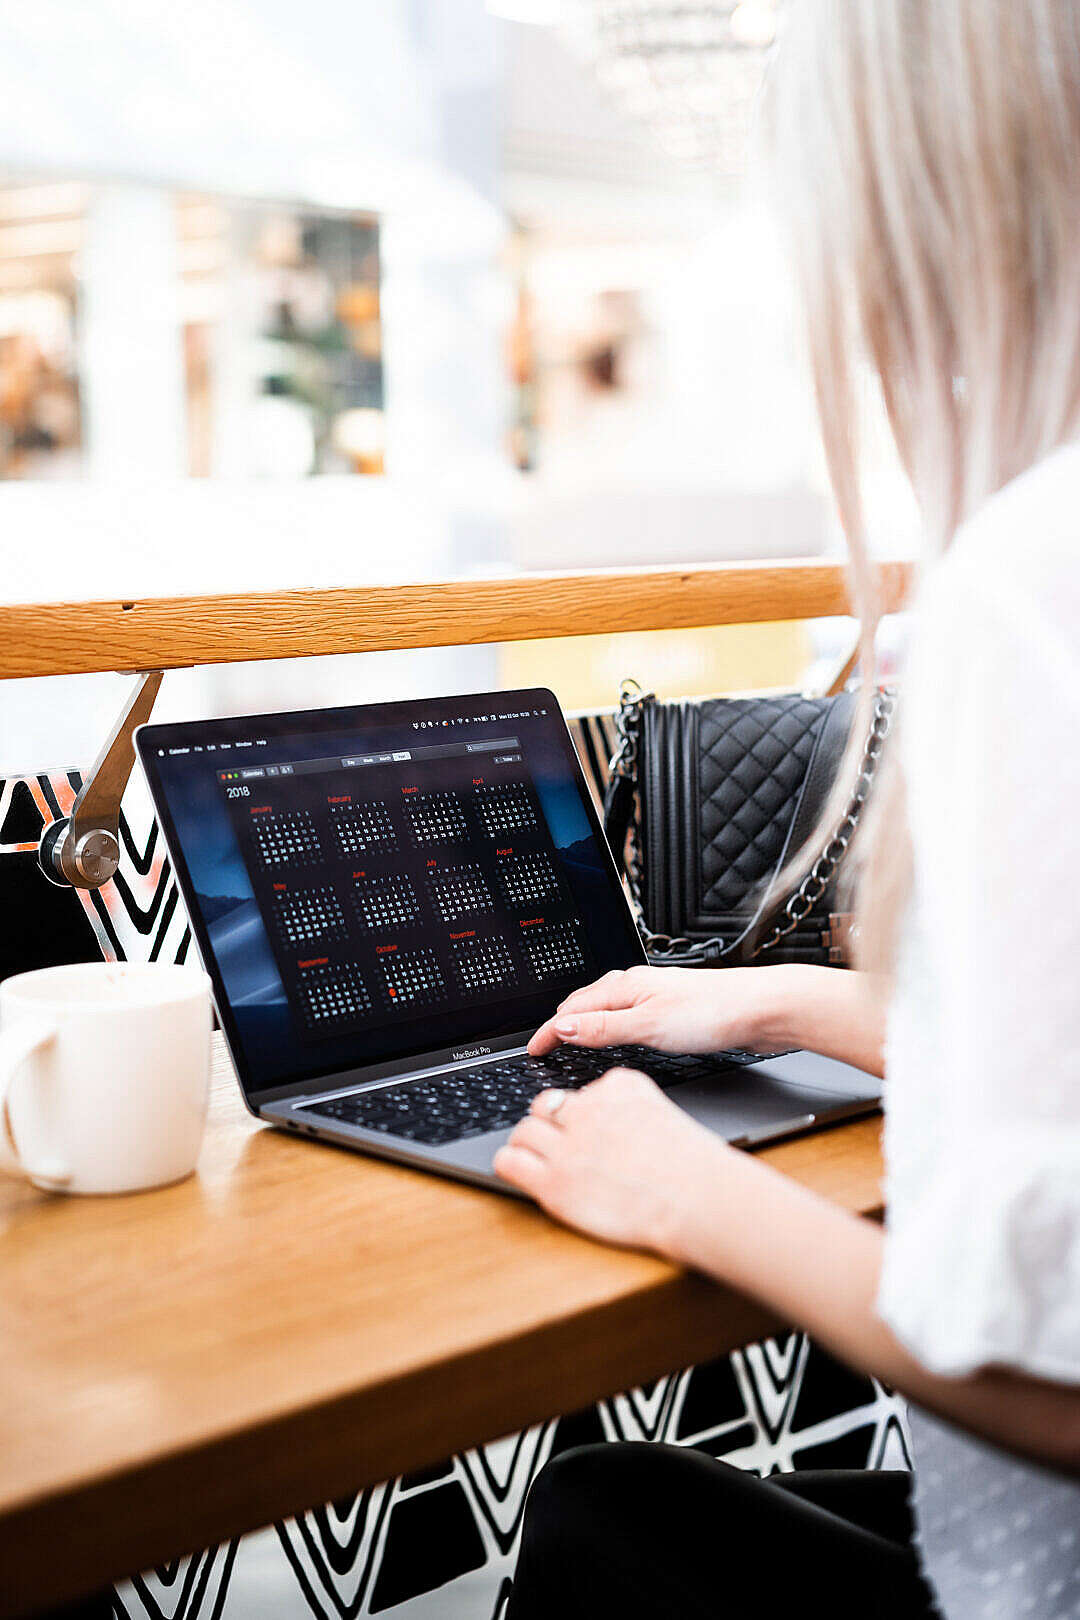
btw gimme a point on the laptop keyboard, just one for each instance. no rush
(493, 1096)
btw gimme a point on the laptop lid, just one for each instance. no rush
(389, 887)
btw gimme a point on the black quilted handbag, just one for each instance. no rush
(707, 801)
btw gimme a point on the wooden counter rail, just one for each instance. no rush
(295, 1322)
(78, 638)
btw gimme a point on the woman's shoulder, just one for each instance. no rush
(1014, 565)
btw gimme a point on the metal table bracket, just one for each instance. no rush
(83, 850)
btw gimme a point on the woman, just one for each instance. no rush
(930, 151)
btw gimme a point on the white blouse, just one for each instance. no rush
(982, 1254)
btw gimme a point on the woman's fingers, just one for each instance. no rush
(544, 1041)
(536, 1133)
(592, 1016)
(522, 1168)
(622, 1027)
(525, 1161)
(547, 1104)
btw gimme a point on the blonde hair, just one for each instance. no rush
(928, 159)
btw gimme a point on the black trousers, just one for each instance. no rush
(642, 1530)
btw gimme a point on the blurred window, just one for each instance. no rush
(40, 412)
(146, 329)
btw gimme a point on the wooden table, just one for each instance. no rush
(296, 1321)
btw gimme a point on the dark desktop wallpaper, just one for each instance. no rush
(204, 837)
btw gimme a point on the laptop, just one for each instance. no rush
(389, 900)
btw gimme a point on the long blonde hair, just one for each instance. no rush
(928, 160)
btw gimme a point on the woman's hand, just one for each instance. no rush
(617, 1160)
(672, 1009)
(767, 1009)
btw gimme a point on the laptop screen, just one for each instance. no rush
(376, 884)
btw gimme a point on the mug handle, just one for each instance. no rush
(18, 1043)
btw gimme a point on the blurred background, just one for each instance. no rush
(323, 294)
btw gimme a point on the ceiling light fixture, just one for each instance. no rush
(688, 69)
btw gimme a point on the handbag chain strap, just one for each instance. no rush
(624, 763)
(632, 701)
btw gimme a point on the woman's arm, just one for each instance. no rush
(621, 1162)
(818, 1266)
(768, 1009)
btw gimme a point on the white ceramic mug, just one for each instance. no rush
(104, 1074)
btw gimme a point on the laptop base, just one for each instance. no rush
(748, 1105)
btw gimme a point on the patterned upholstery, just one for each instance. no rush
(439, 1543)
(443, 1543)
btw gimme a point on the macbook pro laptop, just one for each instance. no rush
(390, 899)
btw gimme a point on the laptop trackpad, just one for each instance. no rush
(752, 1106)
(827, 1074)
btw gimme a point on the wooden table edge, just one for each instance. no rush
(104, 1528)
